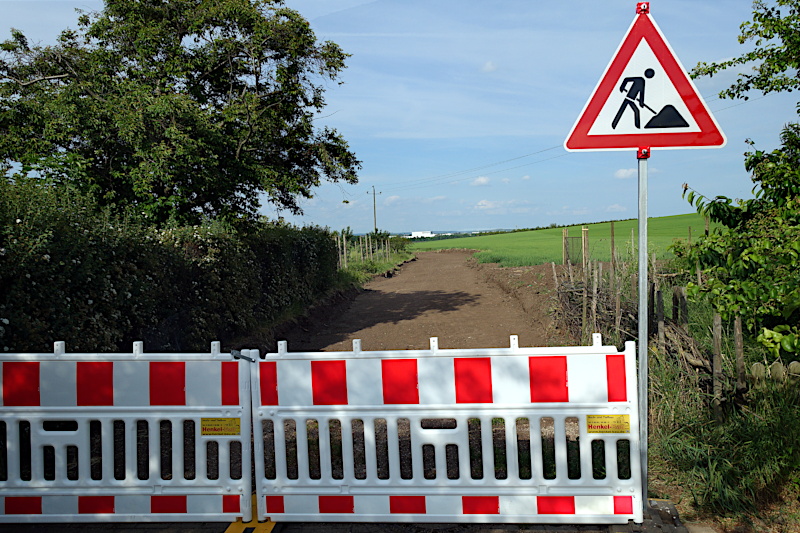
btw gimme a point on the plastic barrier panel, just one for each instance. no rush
(124, 437)
(516, 435)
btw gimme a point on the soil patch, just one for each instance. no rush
(440, 294)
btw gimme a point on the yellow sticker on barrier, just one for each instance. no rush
(220, 426)
(608, 423)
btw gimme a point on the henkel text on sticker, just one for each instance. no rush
(220, 426)
(608, 423)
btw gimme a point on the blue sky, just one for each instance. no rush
(459, 109)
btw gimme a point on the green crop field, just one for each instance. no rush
(535, 247)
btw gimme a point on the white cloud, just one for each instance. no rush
(480, 181)
(391, 200)
(506, 180)
(489, 66)
(625, 173)
(488, 204)
(616, 208)
(434, 199)
(526, 177)
(503, 207)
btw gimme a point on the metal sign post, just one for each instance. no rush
(642, 155)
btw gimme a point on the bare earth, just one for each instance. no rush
(440, 294)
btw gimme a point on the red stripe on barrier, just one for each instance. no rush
(623, 504)
(400, 381)
(269, 383)
(168, 383)
(230, 503)
(555, 504)
(20, 384)
(548, 379)
(167, 504)
(275, 504)
(95, 504)
(407, 505)
(336, 504)
(329, 382)
(615, 373)
(23, 504)
(95, 383)
(473, 378)
(480, 504)
(229, 382)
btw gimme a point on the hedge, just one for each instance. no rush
(100, 282)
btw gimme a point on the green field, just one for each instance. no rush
(545, 245)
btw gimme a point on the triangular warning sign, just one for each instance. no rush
(644, 99)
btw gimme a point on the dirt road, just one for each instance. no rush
(440, 294)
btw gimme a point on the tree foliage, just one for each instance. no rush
(775, 59)
(177, 109)
(752, 262)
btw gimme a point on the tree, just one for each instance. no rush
(775, 60)
(176, 109)
(752, 262)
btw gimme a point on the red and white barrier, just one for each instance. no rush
(360, 409)
(124, 437)
(518, 435)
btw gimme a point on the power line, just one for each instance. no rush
(483, 174)
(434, 180)
(423, 182)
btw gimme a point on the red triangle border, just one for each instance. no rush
(709, 136)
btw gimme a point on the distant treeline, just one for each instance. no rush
(443, 237)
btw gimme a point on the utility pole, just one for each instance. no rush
(374, 210)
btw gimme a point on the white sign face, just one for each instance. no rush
(645, 99)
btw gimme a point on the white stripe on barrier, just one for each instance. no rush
(443, 508)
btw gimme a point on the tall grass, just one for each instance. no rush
(736, 466)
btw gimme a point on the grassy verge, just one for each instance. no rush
(358, 273)
(742, 471)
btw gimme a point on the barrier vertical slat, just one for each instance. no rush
(512, 460)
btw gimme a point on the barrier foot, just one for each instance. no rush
(253, 526)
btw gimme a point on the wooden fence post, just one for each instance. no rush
(739, 346)
(794, 372)
(716, 368)
(565, 246)
(584, 306)
(651, 307)
(680, 308)
(597, 271)
(613, 252)
(585, 251)
(660, 320)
